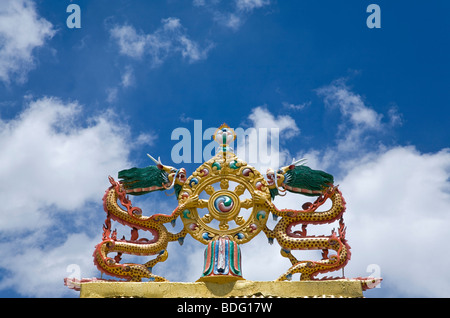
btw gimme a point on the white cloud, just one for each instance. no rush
(233, 17)
(171, 24)
(40, 272)
(230, 20)
(397, 216)
(359, 122)
(262, 118)
(130, 43)
(351, 105)
(185, 119)
(127, 77)
(145, 139)
(201, 3)
(291, 106)
(397, 198)
(21, 32)
(191, 51)
(111, 94)
(358, 118)
(55, 164)
(47, 153)
(127, 80)
(166, 40)
(262, 146)
(198, 3)
(249, 5)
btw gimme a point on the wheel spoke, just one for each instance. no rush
(223, 225)
(247, 203)
(202, 204)
(210, 189)
(239, 190)
(224, 184)
(239, 220)
(207, 218)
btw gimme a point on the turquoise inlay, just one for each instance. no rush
(240, 236)
(233, 164)
(261, 214)
(206, 236)
(186, 214)
(193, 181)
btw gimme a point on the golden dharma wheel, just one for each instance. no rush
(230, 200)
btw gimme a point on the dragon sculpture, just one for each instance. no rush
(210, 205)
(138, 181)
(301, 179)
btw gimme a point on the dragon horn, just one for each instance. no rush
(299, 162)
(158, 162)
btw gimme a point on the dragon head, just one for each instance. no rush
(275, 182)
(274, 179)
(299, 179)
(180, 177)
(138, 181)
(304, 180)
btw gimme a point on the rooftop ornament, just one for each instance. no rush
(211, 205)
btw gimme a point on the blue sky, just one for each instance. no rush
(368, 105)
